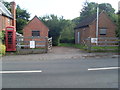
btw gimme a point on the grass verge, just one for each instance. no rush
(93, 49)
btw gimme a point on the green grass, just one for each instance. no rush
(72, 45)
(93, 49)
(104, 48)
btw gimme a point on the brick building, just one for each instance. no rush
(36, 29)
(87, 28)
(7, 18)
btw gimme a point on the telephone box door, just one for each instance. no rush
(10, 39)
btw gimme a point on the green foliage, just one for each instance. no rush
(76, 20)
(2, 49)
(2, 35)
(66, 40)
(67, 34)
(72, 45)
(7, 4)
(55, 25)
(61, 30)
(90, 8)
(22, 18)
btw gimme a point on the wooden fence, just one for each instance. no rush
(102, 43)
(26, 45)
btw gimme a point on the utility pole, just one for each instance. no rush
(97, 24)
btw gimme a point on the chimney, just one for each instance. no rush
(13, 11)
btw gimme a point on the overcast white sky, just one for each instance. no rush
(69, 9)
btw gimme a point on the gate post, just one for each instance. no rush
(89, 44)
(46, 47)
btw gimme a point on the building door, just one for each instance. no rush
(78, 38)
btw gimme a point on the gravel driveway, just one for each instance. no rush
(57, 53)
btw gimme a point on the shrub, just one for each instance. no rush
(2, 36)
(65, 40)
(2, 49)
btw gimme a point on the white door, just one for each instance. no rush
(78, 37)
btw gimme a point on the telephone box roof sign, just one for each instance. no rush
(10, 28)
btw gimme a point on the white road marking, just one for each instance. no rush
(106, 68)
(8, 72)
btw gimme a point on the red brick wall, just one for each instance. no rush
(84, 33)
(35, 24)
(104, 22)
(4, 22)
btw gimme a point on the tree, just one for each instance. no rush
(55, 25)
(90, 8)
(67, 34)
(22, 17)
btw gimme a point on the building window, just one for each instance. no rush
(35, 33)
(103, 31)
(8, 21)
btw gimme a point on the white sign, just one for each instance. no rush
(94, 40)
(10, 28)
(32, 44)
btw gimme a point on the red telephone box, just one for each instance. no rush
(10, 40)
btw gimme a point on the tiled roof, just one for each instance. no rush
(86, 21)
(5, 11)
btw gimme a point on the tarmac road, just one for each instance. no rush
(60, 73)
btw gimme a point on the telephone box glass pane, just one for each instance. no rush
(10, 34)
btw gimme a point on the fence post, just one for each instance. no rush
(89, 44)
(18, 45)
(46, 48)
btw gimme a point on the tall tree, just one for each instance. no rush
(55, 24)
(91, 7)
(22, 17)
(67, 34)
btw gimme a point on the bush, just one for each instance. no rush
(2, 49)
(2, 36)
(65, 40)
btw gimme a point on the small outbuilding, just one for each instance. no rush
(36, 30)
(87, 28)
